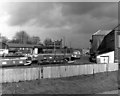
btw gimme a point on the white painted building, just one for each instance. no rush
(106, 57)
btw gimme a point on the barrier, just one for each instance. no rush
(102, 67)
(46, 72)
(81, 70)
(28, 73)
(55, 72)
(62, 71)
(112, 67)
(95, 68)
(1, 76)
(89, 69)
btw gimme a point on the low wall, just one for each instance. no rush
(23, 74)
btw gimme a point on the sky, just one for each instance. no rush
(74, 21)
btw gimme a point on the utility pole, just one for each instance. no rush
(54, 49)
(64, 45)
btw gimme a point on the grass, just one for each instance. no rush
(84, 84)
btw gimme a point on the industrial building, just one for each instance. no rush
(108, 49)
(95, 42)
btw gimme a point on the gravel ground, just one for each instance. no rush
(85, 84)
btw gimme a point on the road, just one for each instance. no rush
(83, 60)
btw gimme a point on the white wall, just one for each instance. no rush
(35, 51)
(110, 58)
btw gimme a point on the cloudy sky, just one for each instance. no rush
(76, 21)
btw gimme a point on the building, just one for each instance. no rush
(53, 46)
(25, 48)
(109, 49)
(95, 42)
(3, 47)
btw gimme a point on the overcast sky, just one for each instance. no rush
(76, 21)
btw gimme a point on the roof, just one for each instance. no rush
(15, 45)
(102, 32)
(107, 45)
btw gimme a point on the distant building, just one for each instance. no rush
(25, 48)
(53, 46)
(3, 47)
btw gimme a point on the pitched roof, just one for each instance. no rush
(102, 32)
(107, 46)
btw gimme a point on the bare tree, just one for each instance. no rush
(4, 39)
(21, 37)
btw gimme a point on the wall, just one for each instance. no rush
(110, 57)
(35, 51)
(96, 41)
(39, 72)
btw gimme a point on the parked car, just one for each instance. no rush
(76, 55)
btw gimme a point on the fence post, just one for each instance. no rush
(39, 73)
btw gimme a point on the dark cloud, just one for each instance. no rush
(57, 14)
(79, 7)
(97, 9)
(107, 10)
(76, 20)
(22, 13)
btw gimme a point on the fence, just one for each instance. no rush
(23, 74)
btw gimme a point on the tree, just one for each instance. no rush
(21, 37)
(47, 41)
(4, 39)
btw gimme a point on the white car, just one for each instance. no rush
(76, 54)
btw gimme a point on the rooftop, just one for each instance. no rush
(15, 45)
(102, 32)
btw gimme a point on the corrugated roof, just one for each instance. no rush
(102, 32)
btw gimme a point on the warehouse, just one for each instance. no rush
(109, 48)
(95, 42)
